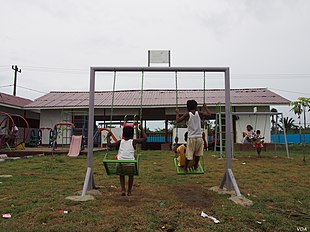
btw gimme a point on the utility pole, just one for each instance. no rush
(15, 68)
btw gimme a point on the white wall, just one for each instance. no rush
(48, 118)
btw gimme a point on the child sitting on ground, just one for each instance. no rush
(126, 150)
(195, 142)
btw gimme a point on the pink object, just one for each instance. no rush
(62, 211)
(6, 216)
(75, 146)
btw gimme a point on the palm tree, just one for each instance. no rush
(287, 123)
(298, 107)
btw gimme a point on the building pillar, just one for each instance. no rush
(166, 129)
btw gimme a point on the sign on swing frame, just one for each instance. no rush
(158, 57)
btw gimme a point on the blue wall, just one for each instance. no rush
(291, 138)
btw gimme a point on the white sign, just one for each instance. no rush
(159, 56)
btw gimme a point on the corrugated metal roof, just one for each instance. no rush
(10, 100)
(156, 98)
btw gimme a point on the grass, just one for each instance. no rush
(161, 200)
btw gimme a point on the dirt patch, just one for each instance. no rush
(140, 195)
(29, 174)
(194, 196)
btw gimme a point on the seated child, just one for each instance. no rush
(181, 150)
(126, 150)
(249, 136)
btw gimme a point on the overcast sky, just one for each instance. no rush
(54, 42)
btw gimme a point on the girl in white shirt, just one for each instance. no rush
(126, 151)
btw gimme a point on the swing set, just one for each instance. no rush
(220, 125)
(89, 182)
(266, 114)
(123, 167)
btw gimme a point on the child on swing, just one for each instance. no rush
(180, 151)
(126, 150)
(195, 142)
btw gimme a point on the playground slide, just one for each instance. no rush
(108, 130)
(75, 146)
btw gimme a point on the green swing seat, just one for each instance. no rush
(121, 167)
(190, 170)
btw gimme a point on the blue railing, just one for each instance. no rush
(291, 138)
(160, 137)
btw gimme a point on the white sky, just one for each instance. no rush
(54, 42)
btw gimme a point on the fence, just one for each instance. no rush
(158, 137)
(291, 138)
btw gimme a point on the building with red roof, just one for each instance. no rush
(159, 104)
(15, 105)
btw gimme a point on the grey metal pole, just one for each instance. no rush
(285, 139)
(215, 133)
(228, 143)
(276, 137)
(221, 133)
(89, 182)
(160, 69)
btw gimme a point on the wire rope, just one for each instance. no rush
(176, 101)
(113, 98)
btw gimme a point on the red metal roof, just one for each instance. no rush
(10, 100)
(156, 98)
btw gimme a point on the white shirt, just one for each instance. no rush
(126, 150)
(194, 125)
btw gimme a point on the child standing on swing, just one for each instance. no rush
(126, 151)
(195, 142)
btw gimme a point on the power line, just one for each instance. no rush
(57, 68)
(22, 87)
(3, 86)
(236, 76)
(288, 91)
(34, 90)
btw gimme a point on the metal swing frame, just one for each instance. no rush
(228, 177)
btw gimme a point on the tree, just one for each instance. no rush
(287, 123)
(298, 107)
(301, 106)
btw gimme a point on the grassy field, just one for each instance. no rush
(161, 200)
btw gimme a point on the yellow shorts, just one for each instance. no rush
(194, 148)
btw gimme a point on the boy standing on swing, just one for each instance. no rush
(195, 142)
